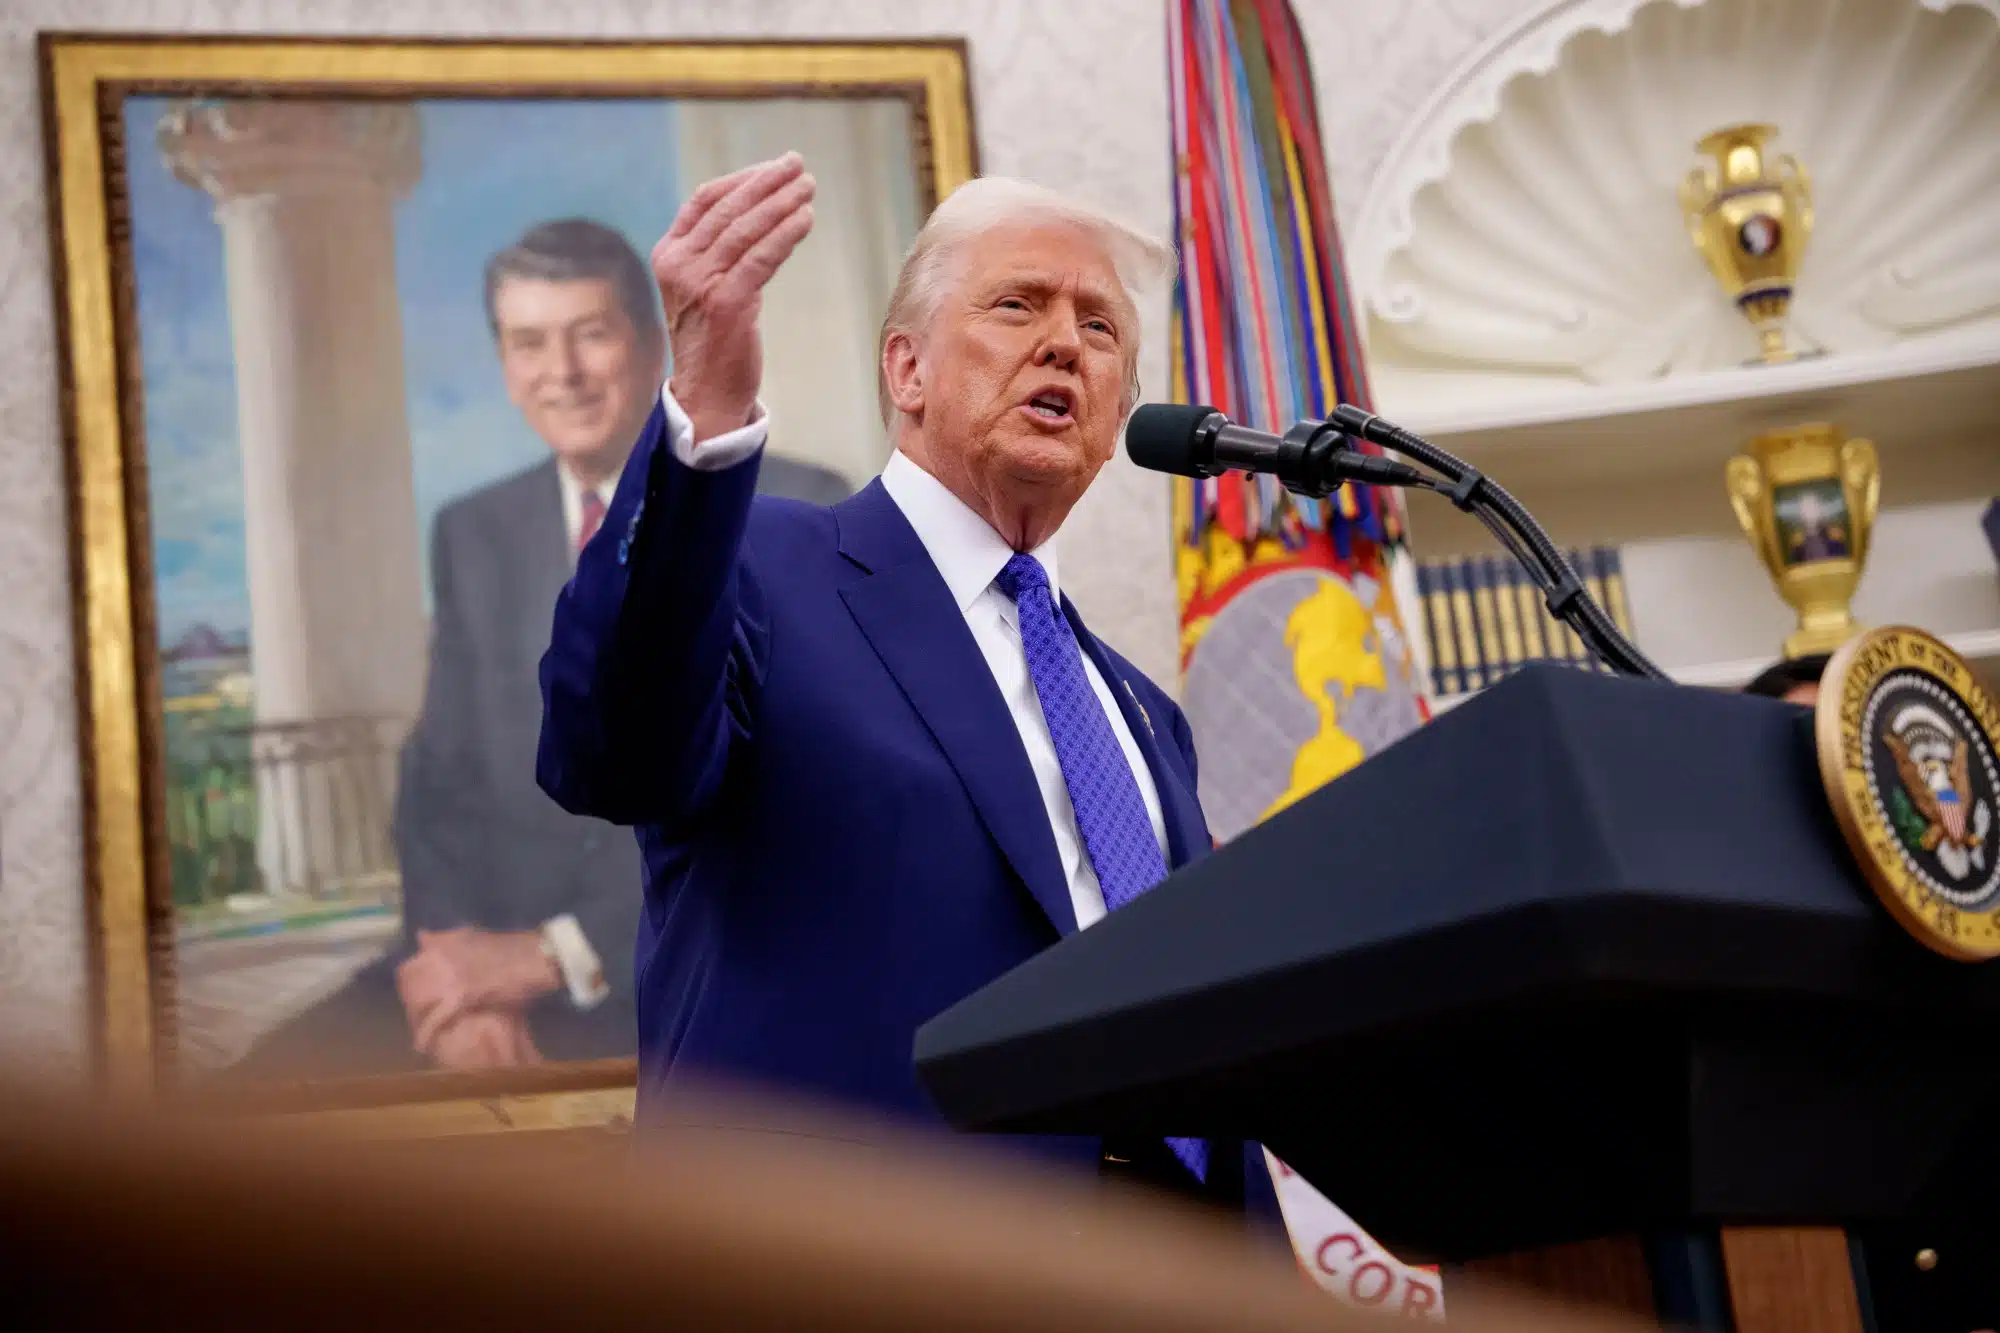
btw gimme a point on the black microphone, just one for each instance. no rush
(1313, 458)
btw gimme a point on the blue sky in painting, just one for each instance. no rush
(491, 170)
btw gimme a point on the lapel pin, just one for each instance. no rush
(1143, 715)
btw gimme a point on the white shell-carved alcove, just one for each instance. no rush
(1523, 242)
(1532, 300)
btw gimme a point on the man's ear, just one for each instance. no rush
(903, 373)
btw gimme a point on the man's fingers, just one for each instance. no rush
(458, 1047)
(424, 1036)
(437, 1014)
(705, 195)
(496, 1047)
(763, 258)
(756, 223)
(740, 198)
(431, 1025)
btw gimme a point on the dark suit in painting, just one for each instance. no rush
(479, 843)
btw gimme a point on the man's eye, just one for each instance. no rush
(1012, 303)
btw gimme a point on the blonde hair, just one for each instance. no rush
(1143, 262)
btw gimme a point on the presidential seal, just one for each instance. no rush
(1909, 750)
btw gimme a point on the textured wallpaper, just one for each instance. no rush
(1068, 92)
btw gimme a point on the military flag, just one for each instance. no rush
(1294, 659)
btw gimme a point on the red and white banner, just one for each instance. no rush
(1345, 1260)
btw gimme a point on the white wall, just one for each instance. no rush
(1068, 92)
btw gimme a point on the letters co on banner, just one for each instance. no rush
(1345, 1260)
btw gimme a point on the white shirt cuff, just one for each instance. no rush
(565, 944)
(725, 450)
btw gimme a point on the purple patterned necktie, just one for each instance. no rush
(1110, 813)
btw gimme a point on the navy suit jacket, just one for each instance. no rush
(840, 830)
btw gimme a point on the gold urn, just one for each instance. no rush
(1806, 498)
(1750, 214)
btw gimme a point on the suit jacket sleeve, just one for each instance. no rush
(656, 652)
(442, 830)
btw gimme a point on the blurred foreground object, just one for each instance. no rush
(733, 1215)
(1806, 498)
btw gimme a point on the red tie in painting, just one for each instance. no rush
(593, 515)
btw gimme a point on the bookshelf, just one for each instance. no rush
(1482, 618)
(1702, 606)
(1980, 649)
(1914, 398)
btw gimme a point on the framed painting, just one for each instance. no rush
(354, 338)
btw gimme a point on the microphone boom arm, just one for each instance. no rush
(1485, 499)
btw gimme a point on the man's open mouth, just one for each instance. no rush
(1051, 405)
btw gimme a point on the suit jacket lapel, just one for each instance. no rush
(1179, 808)
(915, 627)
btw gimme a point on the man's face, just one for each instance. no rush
(1022, 371)
(1806, 692)
(575, 365)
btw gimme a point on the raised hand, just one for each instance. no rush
(728, 240)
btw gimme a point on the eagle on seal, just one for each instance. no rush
(1935, 763)
(1940, 787)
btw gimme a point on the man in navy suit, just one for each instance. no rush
(873, 755)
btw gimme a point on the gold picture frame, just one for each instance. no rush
(85, 79)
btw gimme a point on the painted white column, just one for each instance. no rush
(304, 194)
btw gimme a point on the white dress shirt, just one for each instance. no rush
(969, 555)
